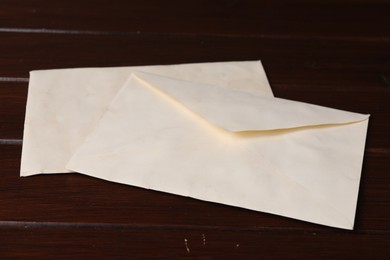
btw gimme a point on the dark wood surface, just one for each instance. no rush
(331, 53)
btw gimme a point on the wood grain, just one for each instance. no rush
(298, 59)
(353, 19)
(13, 96)
(331, 53)
(201, 243)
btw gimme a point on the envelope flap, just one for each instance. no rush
(237, 111)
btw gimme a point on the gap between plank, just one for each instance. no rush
(13, 79)
(31, 225)
(11, 141)
(183, 34)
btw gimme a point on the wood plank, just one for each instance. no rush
(354, 19)
(298, 60)
(47, 241)
(13, 97)
(75, 198)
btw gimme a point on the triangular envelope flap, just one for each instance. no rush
(237, 111)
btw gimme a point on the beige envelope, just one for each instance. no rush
(63, 105)
(212, 131)
(241, 148)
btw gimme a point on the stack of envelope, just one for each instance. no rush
(210, 131)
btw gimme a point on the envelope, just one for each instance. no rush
(63, 105)
(216, 141)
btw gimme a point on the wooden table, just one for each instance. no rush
(331, 53)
